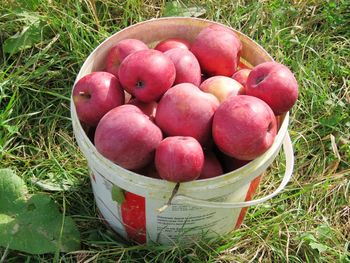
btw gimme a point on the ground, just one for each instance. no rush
(44, 43)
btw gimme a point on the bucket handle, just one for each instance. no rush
(289, 156)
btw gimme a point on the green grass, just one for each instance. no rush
(308, 222)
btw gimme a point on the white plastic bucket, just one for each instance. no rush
(203, 207)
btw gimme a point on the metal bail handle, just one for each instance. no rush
(289, 156)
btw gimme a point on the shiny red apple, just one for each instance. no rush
(95, 94)
(171, 43)
(179, 159)
(217, 50)
(127, 137)
(147, 74)
(244, 127)
(120, 51)
(275, 84)
(185, 110)
(186, 65)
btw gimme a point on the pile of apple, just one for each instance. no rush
(183, 111)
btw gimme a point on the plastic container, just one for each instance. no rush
(130, 202)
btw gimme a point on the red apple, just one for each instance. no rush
(127, 137)
(147, 74)
(217, 51)
(121, 50)
(221, 28)
(275, 84)
(185, 110)
(151, 171)
(147, 108)
(230, 164)
(241, 76)
(179, 159)
(171, 43)
(186, 65)
(211, 167)
(95, 94)
(221, 87)
(244, 127)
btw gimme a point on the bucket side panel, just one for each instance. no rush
(109, 209)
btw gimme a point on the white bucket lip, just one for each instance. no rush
(196, 185)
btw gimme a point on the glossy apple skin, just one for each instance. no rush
(147, 74)
(127, 137)
(120, 51)
(185, 110)
(95, 94)
(221, 28)
(186, 65)
(241, 76)
(218, 51)
(275, 84)
(212, 167)
(171, 43)
(147, 108)
(244, 127)
(221, 87)
(179, 159)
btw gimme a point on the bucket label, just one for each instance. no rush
(183, 222)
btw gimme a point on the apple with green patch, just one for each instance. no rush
(221, 87)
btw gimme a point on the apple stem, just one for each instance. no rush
(270, 126)
(175, 190)
(260, 79)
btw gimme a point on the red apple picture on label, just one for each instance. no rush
(134, 217)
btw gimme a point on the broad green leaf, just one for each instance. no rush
(195, 11)
(28, 37)
(324, 231)
(12, 187)
(320, 247)
(32, 224)
(174, 8)
(117, 194)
